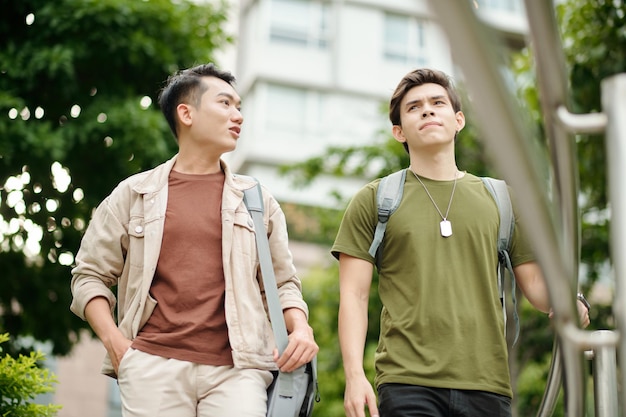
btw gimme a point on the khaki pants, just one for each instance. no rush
(152, 386)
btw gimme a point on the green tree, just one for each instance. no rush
(78, 113)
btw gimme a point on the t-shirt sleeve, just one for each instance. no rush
(358, 224)
(521, 249)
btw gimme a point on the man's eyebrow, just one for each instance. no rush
(230, 97)
(431, 98)
(412, 102)
(437, 97)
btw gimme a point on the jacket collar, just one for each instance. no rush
(157, 178)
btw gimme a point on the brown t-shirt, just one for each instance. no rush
(189, 322)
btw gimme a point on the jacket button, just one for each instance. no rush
(138, 229)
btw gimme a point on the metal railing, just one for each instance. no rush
(614, 106)
(550, 198)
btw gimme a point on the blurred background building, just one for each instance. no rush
(311, 73)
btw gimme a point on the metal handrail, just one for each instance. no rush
(552, 83)
(554, 234)
(553, 383)
(614, 106)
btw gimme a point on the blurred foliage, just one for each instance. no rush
(78, 91)
(311, 224)
(21, 381)
(594, 41)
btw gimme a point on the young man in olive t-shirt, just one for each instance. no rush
(442, 350)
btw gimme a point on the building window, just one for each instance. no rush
(499, 5)
(300, 22)
(286, 108)
(404, 40)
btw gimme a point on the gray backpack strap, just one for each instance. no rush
(253, 199)
(290, 388)
(388, 197)
(500, 193)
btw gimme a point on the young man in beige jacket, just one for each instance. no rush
(191, 337)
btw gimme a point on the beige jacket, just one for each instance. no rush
(121, 247)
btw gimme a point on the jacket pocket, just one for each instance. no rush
(136, 233)
(244, 242)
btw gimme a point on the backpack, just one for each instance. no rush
(389, 196)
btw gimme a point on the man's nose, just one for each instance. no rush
(427, 112)
(237, 116)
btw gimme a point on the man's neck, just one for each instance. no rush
(439, 167)
(196, 163)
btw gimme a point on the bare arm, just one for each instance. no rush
(355, 279)
(530, 279)
(98, 315)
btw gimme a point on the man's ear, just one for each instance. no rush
(398, 134)
(184, 113)
(460, 121)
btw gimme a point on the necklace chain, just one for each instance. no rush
(456, 174)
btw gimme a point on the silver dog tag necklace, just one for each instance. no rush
(445, 227)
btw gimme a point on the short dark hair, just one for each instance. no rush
(186, 86)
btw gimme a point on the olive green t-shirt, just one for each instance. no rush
(441, 323)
